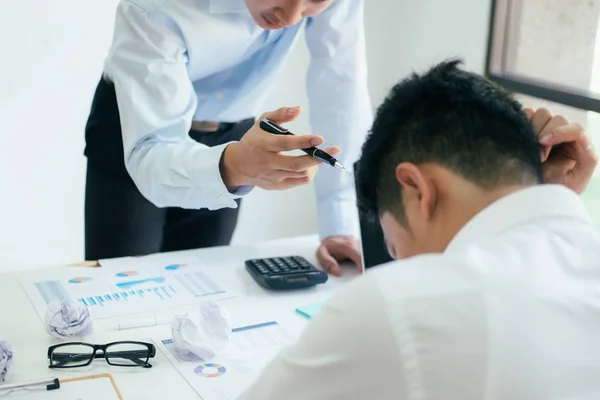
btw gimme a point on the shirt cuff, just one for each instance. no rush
(338, 218)
(242, 191)
(210, 182)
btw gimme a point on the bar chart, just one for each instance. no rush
(198, 284)
(161, 292)
(110, 292)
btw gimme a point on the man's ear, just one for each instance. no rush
(417, 189)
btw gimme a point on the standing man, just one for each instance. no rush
(171, 140)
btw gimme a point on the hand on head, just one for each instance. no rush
(258, 159)
(568, 156)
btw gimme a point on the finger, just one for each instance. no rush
(282, 175)
(328, 262)
(279, 176)
(558, 171)
(529, 112)
(544, 152)
(293, 163)
(572, 132)
(539, 120)
(353, 254)
(333, 151)
(555, 123)
(586, 157)
(289, 183)
(283, 115)
(277, 143)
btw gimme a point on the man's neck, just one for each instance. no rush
(470, 202)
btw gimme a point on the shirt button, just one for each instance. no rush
(220, 95)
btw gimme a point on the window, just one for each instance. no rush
(548, 53)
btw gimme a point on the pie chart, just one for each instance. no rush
(80, 279)
(174, 267)
(210, 370)
(125, 274)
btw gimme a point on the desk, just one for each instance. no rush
(22, 328)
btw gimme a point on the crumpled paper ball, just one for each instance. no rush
(68, 319)
(203, 331)
(7, 360)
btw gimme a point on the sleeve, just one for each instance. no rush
(348, 351)
(148, 65)
(340, 108)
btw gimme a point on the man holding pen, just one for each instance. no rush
(172, 144)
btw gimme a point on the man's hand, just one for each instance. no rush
(568, 156)
(339, 248)
(257, 159)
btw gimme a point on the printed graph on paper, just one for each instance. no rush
(110, 292)
(232, 370)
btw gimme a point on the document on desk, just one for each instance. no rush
(151, 284)
(231, 372)
(95, 387)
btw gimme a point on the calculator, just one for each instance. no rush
(285, 273)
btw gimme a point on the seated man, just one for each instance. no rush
(498, 295)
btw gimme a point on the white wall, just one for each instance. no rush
(51, 59)
(51, 55)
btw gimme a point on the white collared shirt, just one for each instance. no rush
(511, 311)
(175, 61)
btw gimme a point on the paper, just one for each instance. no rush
(227, 375)
(113, 291)
(66, 319)
(98, 387)
(203, 331)
(7, 360)
(310, 310)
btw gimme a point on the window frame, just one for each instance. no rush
(501, 26)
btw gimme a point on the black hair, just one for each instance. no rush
(451, 117)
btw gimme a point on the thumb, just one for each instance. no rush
(283, 115)
(328, 262)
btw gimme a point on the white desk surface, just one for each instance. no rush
(23, 329)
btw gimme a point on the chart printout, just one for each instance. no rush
(232, 371)
(151, 285)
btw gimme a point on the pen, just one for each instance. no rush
(272, 127)
(51, 384)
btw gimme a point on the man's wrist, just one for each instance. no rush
(227, 167)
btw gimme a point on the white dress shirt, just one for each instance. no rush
(511, 311)
(175, 61)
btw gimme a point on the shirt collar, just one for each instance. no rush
(536, 202)
(227, 6)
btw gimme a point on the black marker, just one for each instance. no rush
(272, 127)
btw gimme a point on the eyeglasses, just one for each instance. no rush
(122, 354)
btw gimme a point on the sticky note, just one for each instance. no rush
(310, 310)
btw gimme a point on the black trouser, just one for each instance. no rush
(119, 221)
